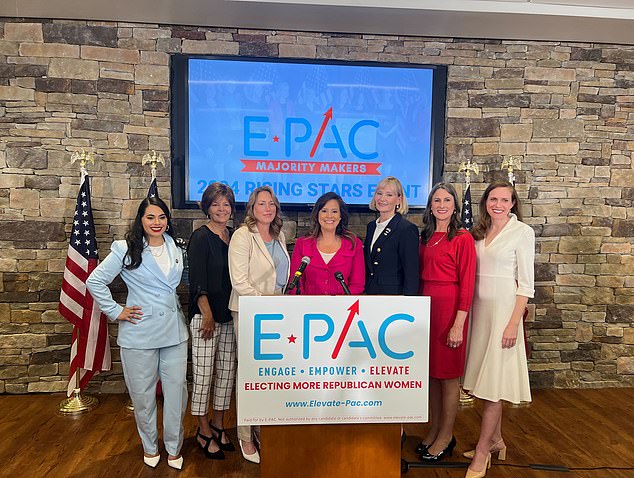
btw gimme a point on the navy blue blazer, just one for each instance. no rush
(391, 266)
(163, 323)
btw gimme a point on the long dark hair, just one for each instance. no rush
(135, 235)
(484, 220)
(429, 221)
(342, 228)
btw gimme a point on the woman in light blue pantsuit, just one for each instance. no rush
(152, 330)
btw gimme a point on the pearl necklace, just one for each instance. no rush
(441, 238)
(161, 247)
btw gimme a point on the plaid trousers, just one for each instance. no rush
(221, 349)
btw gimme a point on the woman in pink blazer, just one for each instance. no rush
(332, 248)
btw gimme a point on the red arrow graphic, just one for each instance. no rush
(327, 117)
(354, 310)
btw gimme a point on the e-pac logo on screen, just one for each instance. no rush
(335, 341)
(299, 130)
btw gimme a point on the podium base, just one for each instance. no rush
(306, 451)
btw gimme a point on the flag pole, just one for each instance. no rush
(511, 163)
(78, 403)
(153, 159)
(468, 167)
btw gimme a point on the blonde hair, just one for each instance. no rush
(251, 221)
(392, 181)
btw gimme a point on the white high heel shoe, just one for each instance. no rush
(176, 462)
(253, 457)
(152, 461)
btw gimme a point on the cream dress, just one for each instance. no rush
(505, 268)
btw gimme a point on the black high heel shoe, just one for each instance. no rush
(421, 448)
(218, 436)
(213, 455)
(447, 451)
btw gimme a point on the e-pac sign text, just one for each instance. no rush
(320, 328)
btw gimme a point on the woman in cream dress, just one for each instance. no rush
(496, 361)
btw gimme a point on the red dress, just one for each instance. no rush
(448, 277)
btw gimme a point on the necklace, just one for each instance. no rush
(223, 235)
(441, 238)
(161, 247)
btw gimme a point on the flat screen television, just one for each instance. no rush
(305, 127)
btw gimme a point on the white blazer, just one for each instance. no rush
(163, 321)
(251, 267)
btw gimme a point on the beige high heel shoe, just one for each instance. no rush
(479, 474)
(500, 451)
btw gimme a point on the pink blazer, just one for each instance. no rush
(319, 277)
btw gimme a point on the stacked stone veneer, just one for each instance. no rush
(567, 109)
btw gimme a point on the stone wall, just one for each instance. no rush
(564, 108)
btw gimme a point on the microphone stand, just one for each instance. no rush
(339, 277)
(345, 288)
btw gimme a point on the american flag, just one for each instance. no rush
(467, 212)
(90, 350)
(153, 191)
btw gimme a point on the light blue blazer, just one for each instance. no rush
(163, 321)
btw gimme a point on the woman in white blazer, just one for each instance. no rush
(258, 265)
(152, 331)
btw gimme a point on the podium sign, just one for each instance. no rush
(332, 359)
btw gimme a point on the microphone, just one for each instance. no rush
(342, 281)
(298, 273)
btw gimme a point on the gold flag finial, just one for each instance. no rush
(511, 163)
(469, 167)
(83, 157)
(153, 159)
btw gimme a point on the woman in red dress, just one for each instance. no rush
(447, 266)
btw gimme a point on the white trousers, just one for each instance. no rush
(142, 369)
(245, 432)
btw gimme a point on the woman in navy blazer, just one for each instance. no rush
(152, 331)
(391, 244)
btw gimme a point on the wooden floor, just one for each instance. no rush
(574, 428)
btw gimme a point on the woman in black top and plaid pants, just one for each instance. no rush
(213, 338)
